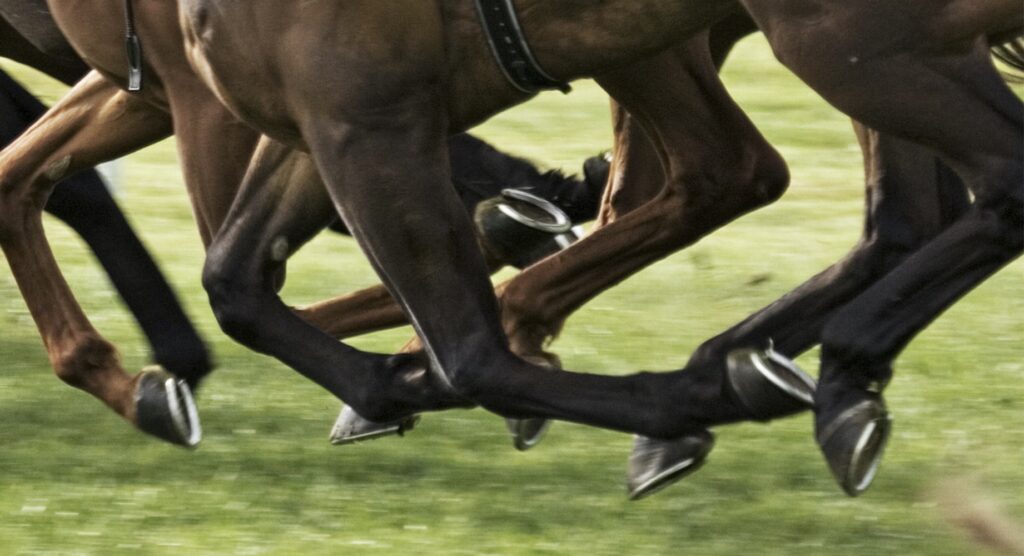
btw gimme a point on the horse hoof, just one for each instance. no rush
(351, 427)
(520, 228)
(768, 384)
(655, 464)
(527, 433)
(853, 444)
(164, 408)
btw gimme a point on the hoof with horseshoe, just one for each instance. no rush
(655, 464)
(527, 433)
(351, 427)
(164, 408)
(765, 383)
(768, 384)
(853, 442)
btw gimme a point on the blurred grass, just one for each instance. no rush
(74, 479)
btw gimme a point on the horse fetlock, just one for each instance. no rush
(528, 340)
(483, 380)
(185, 357)
(664, 412)
(854, 363)
(79, 363)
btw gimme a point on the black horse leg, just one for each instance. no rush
(280, 206)
(83, 202)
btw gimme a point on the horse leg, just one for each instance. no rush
(83, 202)
(94, 123)
(910, 198)
(280, 206)
(718, 167)
(982, 139)
(394, 164)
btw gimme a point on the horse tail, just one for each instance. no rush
(1011, 53)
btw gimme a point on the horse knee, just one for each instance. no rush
(235, 300)
(1003, 219)
(770, 176)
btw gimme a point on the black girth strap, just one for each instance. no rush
(133, 48)
(510, 49)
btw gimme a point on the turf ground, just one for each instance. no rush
(74, 479)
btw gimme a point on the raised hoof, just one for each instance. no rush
(164, 408)
(527, 433)
(853, 444)
(655, 464)
(519, 228)
(351, 427)
(768, 384)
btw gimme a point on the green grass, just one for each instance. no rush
(74, 479)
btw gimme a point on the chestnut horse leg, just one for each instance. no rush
(982, 139)
(83, 202)
(65, 141)
(718, 166)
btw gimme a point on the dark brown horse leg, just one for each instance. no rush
(982, 138)
(68, 139)
(416, 234)
(280, 206)
(910, 198)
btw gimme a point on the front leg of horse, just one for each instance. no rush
(280, 206)
(94, 123)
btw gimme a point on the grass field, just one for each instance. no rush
(74, 479)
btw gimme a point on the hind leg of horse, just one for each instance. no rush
(67, 139)
(83, 202)
(718, 167)
(982, 139)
